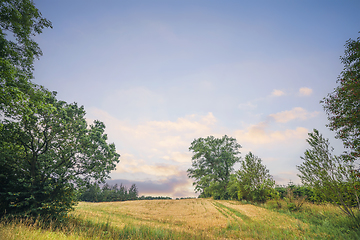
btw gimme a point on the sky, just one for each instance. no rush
(160, 74)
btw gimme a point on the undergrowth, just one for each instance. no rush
(76, 228)
(322, 218)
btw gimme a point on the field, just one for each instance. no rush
(190, 219)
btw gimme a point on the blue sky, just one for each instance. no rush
(161, 73)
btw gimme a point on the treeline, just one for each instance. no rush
(107, 193)
(153, 198)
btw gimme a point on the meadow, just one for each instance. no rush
(189, 219)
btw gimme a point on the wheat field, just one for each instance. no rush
(189, 219)
(202, 218)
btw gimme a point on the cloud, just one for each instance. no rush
(259, 134)
(152, 135)
(155, 148)
(179, 157)
(129, 164)
(295, 113)
(183, 124)
(277, 93)
(304, 91)
(155, 155)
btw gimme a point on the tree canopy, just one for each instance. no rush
(254, 179)
(212, 164)
(22, 20)
(329, 174)
(47, 146)
(343, 104)
(47, 149)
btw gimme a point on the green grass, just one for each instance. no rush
(79, 229)
(237, 213)
(325, 219)
(245, 226)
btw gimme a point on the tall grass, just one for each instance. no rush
(326, 219)
(77, 228)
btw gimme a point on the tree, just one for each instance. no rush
(46, 147)
(21, 20)
(331, 175)
(255, 182)
(48, 150)
(91, 193)
(343, 104)
(133, 192)
(212, 164)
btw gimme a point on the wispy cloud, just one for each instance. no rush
(130, 164)
(155, 148)
(261, 134)
(277, 93)
(304, 91)
(295, 113)
(179, 157)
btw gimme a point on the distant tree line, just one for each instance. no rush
(112, 193)
(107, 193)
(153, 198)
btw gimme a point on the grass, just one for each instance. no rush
(325, 219)
(189, 219)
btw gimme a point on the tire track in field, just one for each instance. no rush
(230, 212)
(255, 217)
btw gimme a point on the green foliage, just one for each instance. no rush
(331, 175)
(343, 105)
(47, 149)
(133, 192)
(154, 198)
(19, 21)
(212, 164)
(233, 187)
(94, 193)
(22, 20)
(312, 195)
(325, 220)
(255, 182)
(91, 194)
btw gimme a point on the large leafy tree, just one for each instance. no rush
(329, 174)
(46, 147)
(212, 164)
(48, 150)
(343, 104)
(254, 179)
